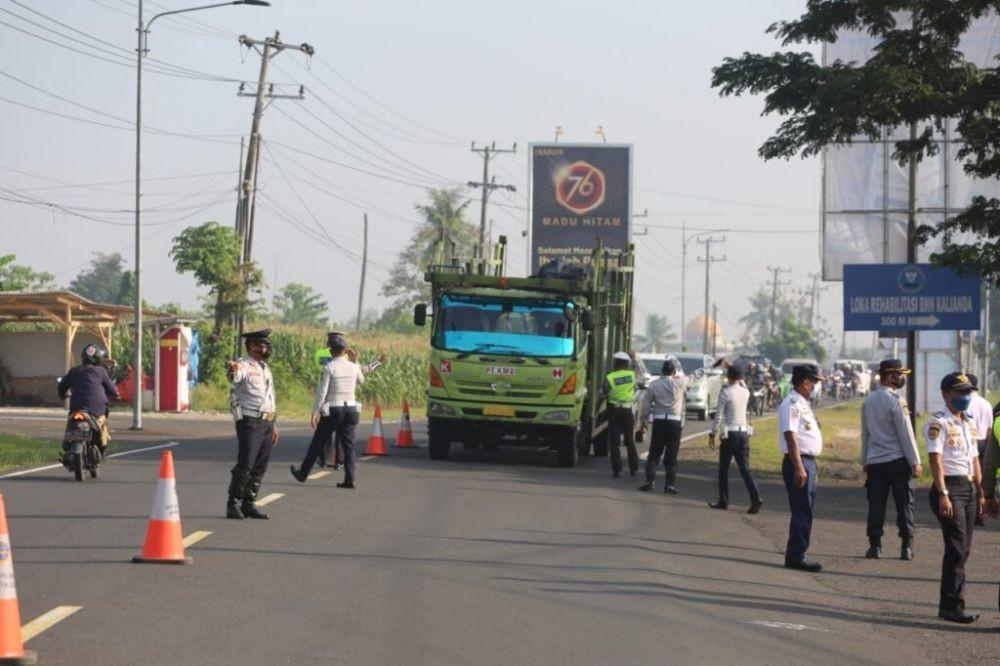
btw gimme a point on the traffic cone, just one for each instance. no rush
(164, 538)
(376, 442)
(11, 646)
(404, 438)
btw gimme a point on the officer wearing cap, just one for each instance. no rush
(253, 407)
(801, 441)
(618, 390)
(890, 458)
(664, 403)
(732, 425)
(982, 413)
(956, 495)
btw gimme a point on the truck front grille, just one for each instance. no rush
(486, 389)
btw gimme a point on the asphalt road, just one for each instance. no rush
(487, 558)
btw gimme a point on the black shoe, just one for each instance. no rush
(633, 472)
(299, 475)
(670, 490)
(979, 522)
(646, 487)
(961, 617)
(718, 505)
(233, 511)
(755, 507)
(616, 475)
(336, 466)
(250, 510)
(804, 565)
(906, 550)
(346, 484)
(874, 553)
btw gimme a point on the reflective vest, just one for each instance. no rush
(622, 391)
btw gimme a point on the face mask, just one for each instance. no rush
(961, 402)
(815, 391)
(900, 382)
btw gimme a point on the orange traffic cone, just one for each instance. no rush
(164, 538)
(376, 442)
(404, 438)
(11, 646)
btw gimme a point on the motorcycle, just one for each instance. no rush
(82, 448)
(758, 396)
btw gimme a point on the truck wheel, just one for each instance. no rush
(567, 451)
(438, 442)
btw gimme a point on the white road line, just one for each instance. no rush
(46, 621)
(317, 475)
(194, 537)
(264, 501)
(113, 455)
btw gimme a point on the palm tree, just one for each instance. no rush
(659, 333)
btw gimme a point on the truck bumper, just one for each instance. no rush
(473, 430)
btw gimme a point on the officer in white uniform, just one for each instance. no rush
(802, 442)
(665, 407)
(733, 426)
(956, 496)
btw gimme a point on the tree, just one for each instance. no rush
(792, 340)
(916, 76)
(211, 252)
(14, 277)
(297, 303)
(443, 218)
(659, 333)
(106, 281)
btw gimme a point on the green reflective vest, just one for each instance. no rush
(622, 388)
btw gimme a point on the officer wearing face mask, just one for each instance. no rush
(890, 458)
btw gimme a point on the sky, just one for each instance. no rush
(394, 95)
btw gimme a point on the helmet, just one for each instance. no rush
(92, 355)
(622, 356)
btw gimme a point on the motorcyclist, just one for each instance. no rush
(89, 386)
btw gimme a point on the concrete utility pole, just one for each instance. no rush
(911, 258)
(272, 46)
(985, 381)
(488, 185)
(364, 270)
(708, 261)
(775, 283)
(814, 295)
(715, 331)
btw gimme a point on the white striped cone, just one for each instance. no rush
(164, 536)
(11, 646)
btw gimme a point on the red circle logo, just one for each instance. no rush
(580, 187)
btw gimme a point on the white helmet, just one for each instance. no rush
(622, 356)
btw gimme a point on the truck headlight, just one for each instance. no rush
(438, 409)
(559, 415)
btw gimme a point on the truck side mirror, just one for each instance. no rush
(587, 320)
(420, 314)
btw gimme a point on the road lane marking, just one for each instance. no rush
(46, 621)
(317, 475)
(789, 626)
(113, 455)
(270, 498)
(194, 537)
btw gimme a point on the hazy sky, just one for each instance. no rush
(396, 92)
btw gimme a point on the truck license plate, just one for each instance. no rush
(498, 410)
(500, 370)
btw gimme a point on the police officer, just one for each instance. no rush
(254, 409)
(619, 391)
(890, 458)
(665, 406)
(732, 425)
(956, 495)
(982, 414)
(801, 441)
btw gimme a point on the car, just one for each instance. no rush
(786, 375)
(702, 394)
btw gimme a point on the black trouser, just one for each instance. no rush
(800, 502)
(340, 422)
(957, 533)
(665, 437)
(256, 439)
(895, 476)
(736, 445)
(621, 421)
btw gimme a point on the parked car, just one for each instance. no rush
(703, 392)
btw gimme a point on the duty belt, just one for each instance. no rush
(342, 403)
(738, 429)
(667, 417)
(254, 414)
(958, 478)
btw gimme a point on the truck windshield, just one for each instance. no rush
(503, 326)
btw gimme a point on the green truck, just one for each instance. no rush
(520, 361)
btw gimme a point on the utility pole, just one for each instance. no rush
(985, 381)
(775, 283)
(814, 295)
(684, 255)
(272, 46)
(708, 261)
(715, 334)
(911, 258)
(364, 270)
(488, 185)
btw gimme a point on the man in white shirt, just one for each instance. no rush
(982, 413)
(665, 407)
(733, 427)
(801, 441)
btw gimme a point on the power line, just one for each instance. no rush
(734, 202)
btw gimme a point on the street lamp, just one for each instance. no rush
(143, 30)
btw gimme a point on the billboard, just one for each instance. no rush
(579, 193)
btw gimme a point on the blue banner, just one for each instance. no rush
(909, 297)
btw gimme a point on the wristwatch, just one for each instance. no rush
(944, 492)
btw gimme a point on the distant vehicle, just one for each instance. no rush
(864, 373)
(703, 392)
(789, 363)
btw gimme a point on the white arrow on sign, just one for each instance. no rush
(930, 321)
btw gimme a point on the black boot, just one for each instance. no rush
(669, 486)
(249, 506)
(874, 549)
(237, 486)
(906, 550)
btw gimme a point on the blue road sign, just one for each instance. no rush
(909, 297)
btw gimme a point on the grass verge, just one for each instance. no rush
(17, 451)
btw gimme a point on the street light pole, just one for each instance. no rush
(140, 53)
